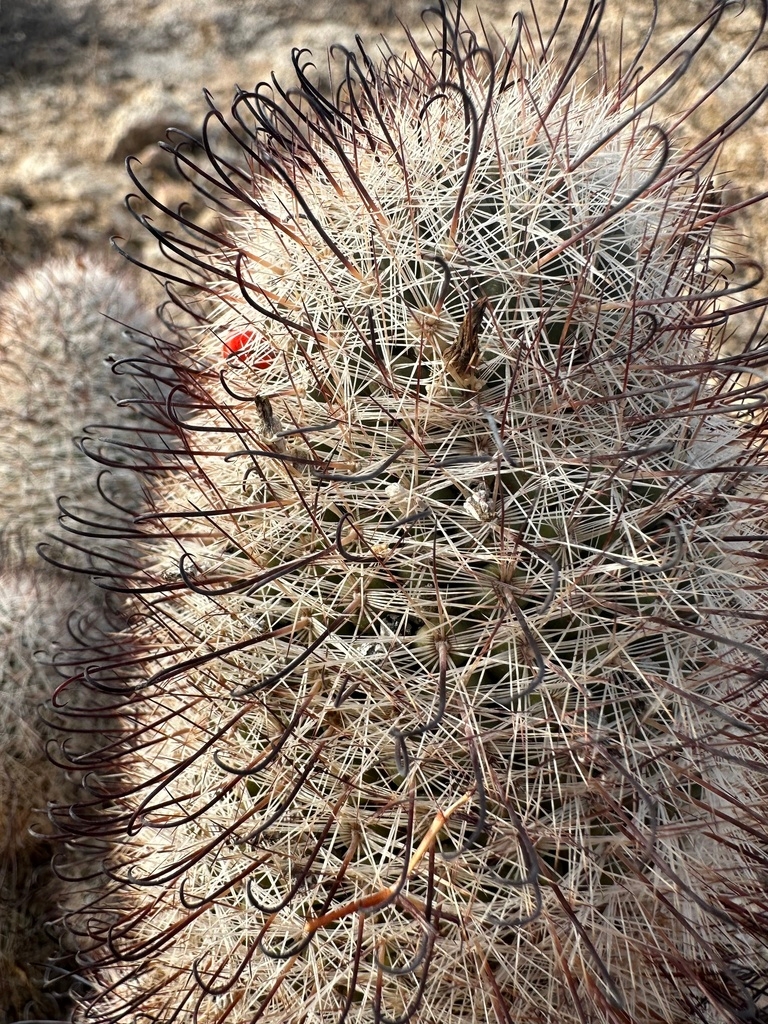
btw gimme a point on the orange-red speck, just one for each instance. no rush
(236, 345)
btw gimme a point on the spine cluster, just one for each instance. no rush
(443, 696)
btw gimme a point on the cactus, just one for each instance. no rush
(443, 693)
(35, 606)
(61, 326)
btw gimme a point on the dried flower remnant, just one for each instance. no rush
(443, 697)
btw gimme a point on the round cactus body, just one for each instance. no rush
(62, 329)
(443, 697)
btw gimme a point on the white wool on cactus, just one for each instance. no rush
(443, 693)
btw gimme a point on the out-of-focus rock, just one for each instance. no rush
(143, 121)
(41, 37)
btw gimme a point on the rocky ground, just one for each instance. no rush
(85, 83)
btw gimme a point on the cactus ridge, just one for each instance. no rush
(443, 694)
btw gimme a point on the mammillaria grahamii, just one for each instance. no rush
(443, 694)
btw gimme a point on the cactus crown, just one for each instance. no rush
(440, 696)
